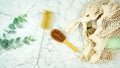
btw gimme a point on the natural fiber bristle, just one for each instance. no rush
(57, 35)
(46, 20)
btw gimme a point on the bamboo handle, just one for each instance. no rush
(75, 49)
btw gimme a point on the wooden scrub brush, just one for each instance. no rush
(60, 37)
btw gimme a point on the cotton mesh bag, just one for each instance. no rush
(102, 42)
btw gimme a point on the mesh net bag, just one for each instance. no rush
(110, 33)
(102, 41)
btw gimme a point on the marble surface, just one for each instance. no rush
(52, 53)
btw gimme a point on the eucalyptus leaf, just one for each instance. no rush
(26, 42)
(30, 38)
(11, 32)
(0, 41)
(20, 19)
(4, 43)
(25, 15)
(11, 41)
(26, 38)
(17, 40)
(4, 35)
(15, 21)
(11, 26)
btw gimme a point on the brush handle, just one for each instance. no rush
(75, 49)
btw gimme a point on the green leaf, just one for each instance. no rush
(20, 19)
(26, 38)
(11, 41)
(11, 32)
(4, 43)
(0, 41)
(26, 42)
(4, 35)
(17, 40)
(31, 39)
(25, 15)
(15, 21)
(11, 26)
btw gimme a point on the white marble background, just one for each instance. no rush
(53, 54)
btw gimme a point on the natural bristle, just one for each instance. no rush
(57, 35)
(46, 20)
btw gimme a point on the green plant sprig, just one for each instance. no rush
(16, 23)
(6, 42)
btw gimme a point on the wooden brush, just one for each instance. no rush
(60, 37)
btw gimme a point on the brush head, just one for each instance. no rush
(47, 19)
(57, 35)
(113, 43)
